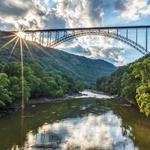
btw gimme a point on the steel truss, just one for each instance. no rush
(54, 37)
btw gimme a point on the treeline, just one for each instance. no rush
(37, 83)
(131, 82)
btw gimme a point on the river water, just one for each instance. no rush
(80, 124)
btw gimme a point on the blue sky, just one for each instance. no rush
(35, 14)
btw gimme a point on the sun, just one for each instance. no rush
(21, 34)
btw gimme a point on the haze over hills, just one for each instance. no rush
(79, 67)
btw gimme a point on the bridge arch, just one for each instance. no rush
(112, 35)
(54, 37)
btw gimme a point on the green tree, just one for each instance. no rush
(37, 83)
(141, 70)
(131, 82)
(143, 97)
(5, 95)
(78, 86)
(129, 85)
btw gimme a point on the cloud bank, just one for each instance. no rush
(36, 14)
(133, 9)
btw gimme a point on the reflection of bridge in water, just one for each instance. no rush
(135, 36)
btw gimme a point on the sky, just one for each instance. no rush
(41, 14)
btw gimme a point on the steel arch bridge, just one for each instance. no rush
(131, 35)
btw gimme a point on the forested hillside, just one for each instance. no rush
(47, 72)
(80, 68)
(131, 82)
(37, 83)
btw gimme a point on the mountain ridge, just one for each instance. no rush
(79, 67)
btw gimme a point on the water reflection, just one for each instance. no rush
(95, 123)
(89, 132)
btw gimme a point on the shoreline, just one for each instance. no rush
(81, 95)
(45, 100)
(35, 101)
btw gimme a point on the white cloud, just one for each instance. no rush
(97, 48)
(135, 9)
(80, 13)
(22, 14)
(87, 13)
(59, 14)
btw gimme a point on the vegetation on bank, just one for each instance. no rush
(131, 82)
(37, 83)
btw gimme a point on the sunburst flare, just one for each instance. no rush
(18, 38)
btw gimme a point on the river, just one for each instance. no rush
(90, 122)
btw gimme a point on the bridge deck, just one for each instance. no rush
(88, 28)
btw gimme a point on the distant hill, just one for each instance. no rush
(82, 68)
